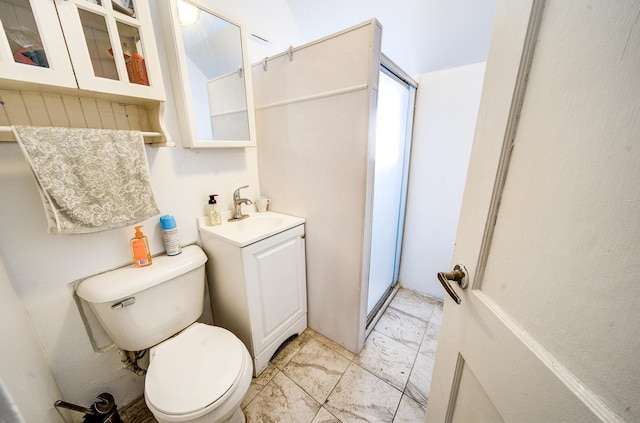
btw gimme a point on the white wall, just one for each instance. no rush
(446, 110)
(41, 266)
(269, 19)
(27, 387)
(419, 35)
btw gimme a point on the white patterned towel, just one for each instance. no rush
(90, 180)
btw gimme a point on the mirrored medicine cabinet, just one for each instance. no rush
(208, 65)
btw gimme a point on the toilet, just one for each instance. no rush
(197, 373)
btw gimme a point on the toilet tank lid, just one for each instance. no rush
(129, 280)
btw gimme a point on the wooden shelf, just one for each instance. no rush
(71, 111)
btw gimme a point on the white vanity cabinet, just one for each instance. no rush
(258, 291)
(102, 46)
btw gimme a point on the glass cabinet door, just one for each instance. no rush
(112, 46)
(32, 47)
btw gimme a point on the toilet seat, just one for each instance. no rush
(194, 370)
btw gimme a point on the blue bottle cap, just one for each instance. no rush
(167, 222)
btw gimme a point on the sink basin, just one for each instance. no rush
(256, 227)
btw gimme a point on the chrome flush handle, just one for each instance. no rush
(460, 275)
(124, 303)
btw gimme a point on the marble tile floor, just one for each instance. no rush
(315, 380)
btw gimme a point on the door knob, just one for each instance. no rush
(459, 275)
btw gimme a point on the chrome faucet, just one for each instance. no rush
(237, 205)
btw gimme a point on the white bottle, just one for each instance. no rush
(213, 212)
(170, 235)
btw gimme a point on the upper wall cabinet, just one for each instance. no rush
(208, 63)
(102, 46)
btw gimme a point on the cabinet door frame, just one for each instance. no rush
(68, 12)
(261, 336)
(60, 72)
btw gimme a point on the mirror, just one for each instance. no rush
(211, 87)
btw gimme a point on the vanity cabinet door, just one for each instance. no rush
(112, 46)
(275, 275)
(32, 47)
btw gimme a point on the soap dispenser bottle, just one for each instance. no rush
(213, 212)
(140, 249)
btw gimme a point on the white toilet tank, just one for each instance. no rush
(140, 307)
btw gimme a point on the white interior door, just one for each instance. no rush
(547, 330)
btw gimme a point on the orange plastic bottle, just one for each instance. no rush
(140, 249)
(136, 69)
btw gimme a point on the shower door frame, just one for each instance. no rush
(389, 68)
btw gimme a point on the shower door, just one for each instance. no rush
(394, 120)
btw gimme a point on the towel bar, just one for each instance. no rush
(6, 134)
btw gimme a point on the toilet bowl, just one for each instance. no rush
(207, 384)
(197, 372)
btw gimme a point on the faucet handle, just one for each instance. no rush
(236, 193)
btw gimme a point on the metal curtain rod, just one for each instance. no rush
(289, 53)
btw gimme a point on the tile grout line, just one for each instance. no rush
(319, 339)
